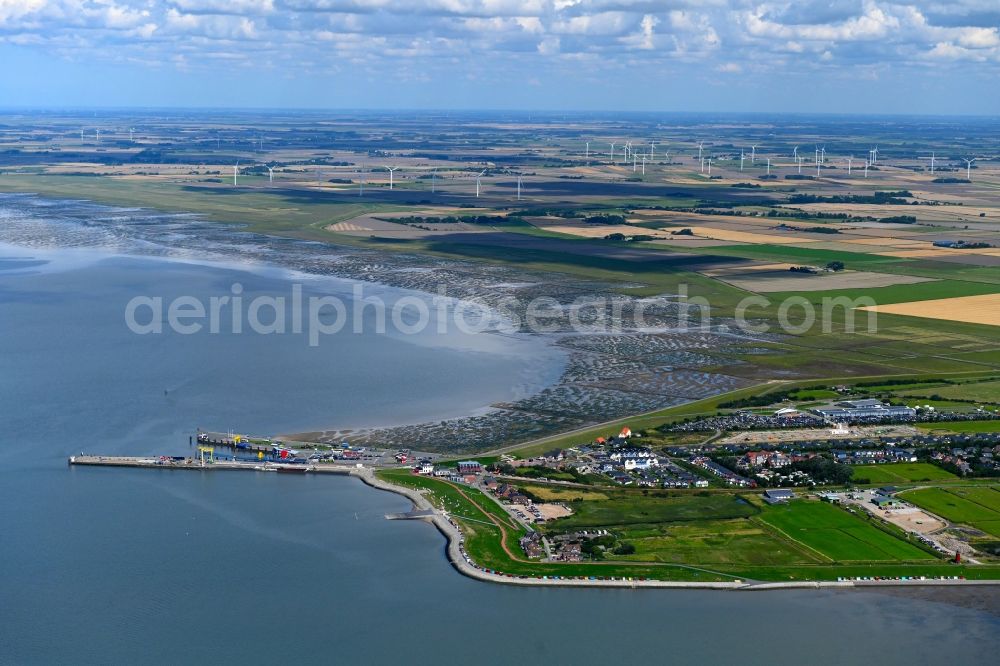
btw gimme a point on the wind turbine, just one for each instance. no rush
(361, 183)
(817, 168)
(270, 174)
(81, 135)
(768, 166)
(634, 160)
(709, 167)
(519, 188)
(741, 160)
(236, 170)
(477, 181)
(795, 153)
(652, 149)
(753, 154)
(390, 169)
(700, 144)
(644, 165)
(849, 161)
(822, 155)
(433, 179)
(931, 158)
(98, 135)
(612, 153)
(800, 164)
(968, 168)
(702, 165)
(131, 132)
(587, 154)
(867, 164)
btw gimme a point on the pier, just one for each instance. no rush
(180, 462)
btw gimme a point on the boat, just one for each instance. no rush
(293, 469)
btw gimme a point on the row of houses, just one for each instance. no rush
(888, 454)
(727, 475)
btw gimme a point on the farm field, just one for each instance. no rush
(901, 472)
(838, 535)
(983, 309)
(970, 506)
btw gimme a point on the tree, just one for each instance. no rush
(835, 266)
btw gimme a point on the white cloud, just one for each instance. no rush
(318, 34)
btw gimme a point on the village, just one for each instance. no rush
(539, 491)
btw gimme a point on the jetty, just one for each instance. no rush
(188, 463)
(416, 514)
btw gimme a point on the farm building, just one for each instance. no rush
(778, 496)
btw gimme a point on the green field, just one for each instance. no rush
(978, 507)
(963, 426)
(648, 510)
(838, 535)
(980, 391)
(715, 542)
(901, 473)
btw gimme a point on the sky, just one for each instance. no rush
(842, 56)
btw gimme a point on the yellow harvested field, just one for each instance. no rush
(585, 230)
(923, 213)
(748, 236)
(894, 242)
(983, 309)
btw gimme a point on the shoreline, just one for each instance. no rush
(458, 559)
(463, 564)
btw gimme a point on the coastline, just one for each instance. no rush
(458, 559)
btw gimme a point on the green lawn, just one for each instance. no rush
(901, 472)
(988, 496)
(837, 534)
(970, 506)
